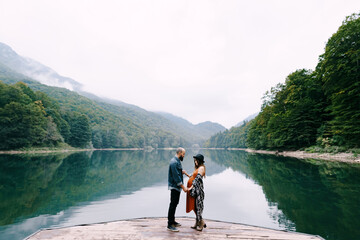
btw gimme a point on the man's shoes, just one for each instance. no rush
(172, 228)
(176, 224)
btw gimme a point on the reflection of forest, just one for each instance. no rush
(49, 184)
(35, 185)
(22, 180)
(319, 197)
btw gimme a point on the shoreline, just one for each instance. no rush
(40, 151)
(337, 157)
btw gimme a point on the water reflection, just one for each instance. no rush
(49, 184)
(51, 190)
(66, 189)
(319, 197)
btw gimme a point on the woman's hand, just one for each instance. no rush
(190, 188)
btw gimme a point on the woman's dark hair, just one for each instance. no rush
(200, 163)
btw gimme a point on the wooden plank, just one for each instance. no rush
(155, 229)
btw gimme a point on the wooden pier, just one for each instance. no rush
(155, 228)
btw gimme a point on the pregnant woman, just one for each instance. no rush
(195, 194)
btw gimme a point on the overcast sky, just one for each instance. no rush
(201, 60)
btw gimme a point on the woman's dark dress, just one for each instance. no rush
(198, 193)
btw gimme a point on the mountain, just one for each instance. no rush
(236, 137)
(110, 119)
(108, 130)
(209, 128)
(35, 70)
(248, 119)
(202, 130)
(196, 134)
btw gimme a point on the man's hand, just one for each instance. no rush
(184, 188)
(184, 172)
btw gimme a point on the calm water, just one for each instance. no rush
(283, 193)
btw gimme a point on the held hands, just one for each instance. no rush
(185, 189)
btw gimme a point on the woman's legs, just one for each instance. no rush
(199, 210)
(199, 207)
(196, 222)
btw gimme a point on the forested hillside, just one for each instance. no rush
(29, 118)
(19, 128)
(313, 107)
(106, 129)
(195, 134)
(113, 123)
(236, 137)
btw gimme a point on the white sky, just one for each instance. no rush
(201, 60)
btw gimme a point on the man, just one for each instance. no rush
(175, 183)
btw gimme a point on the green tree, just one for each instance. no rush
(339, 70)
(291, 114)
(236, 137)
(22, 118)
(52, 136)
(21, 125)
(80, 130)
(53, 110)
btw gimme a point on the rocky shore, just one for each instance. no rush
(340, 157)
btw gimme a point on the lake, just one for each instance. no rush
(57, 190)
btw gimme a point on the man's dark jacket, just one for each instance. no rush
(175, 177)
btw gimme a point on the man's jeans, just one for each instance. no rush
(174, 201)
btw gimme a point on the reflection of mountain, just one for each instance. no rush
(212, 167)
(319, 197)
(233, 159)
(31, 186)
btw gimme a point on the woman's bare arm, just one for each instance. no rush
(201, 171)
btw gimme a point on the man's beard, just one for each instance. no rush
(181, 158)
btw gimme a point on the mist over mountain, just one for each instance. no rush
(202, 130)
(209, 128)
(35, 70)
(159, 129)
(248, 119)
